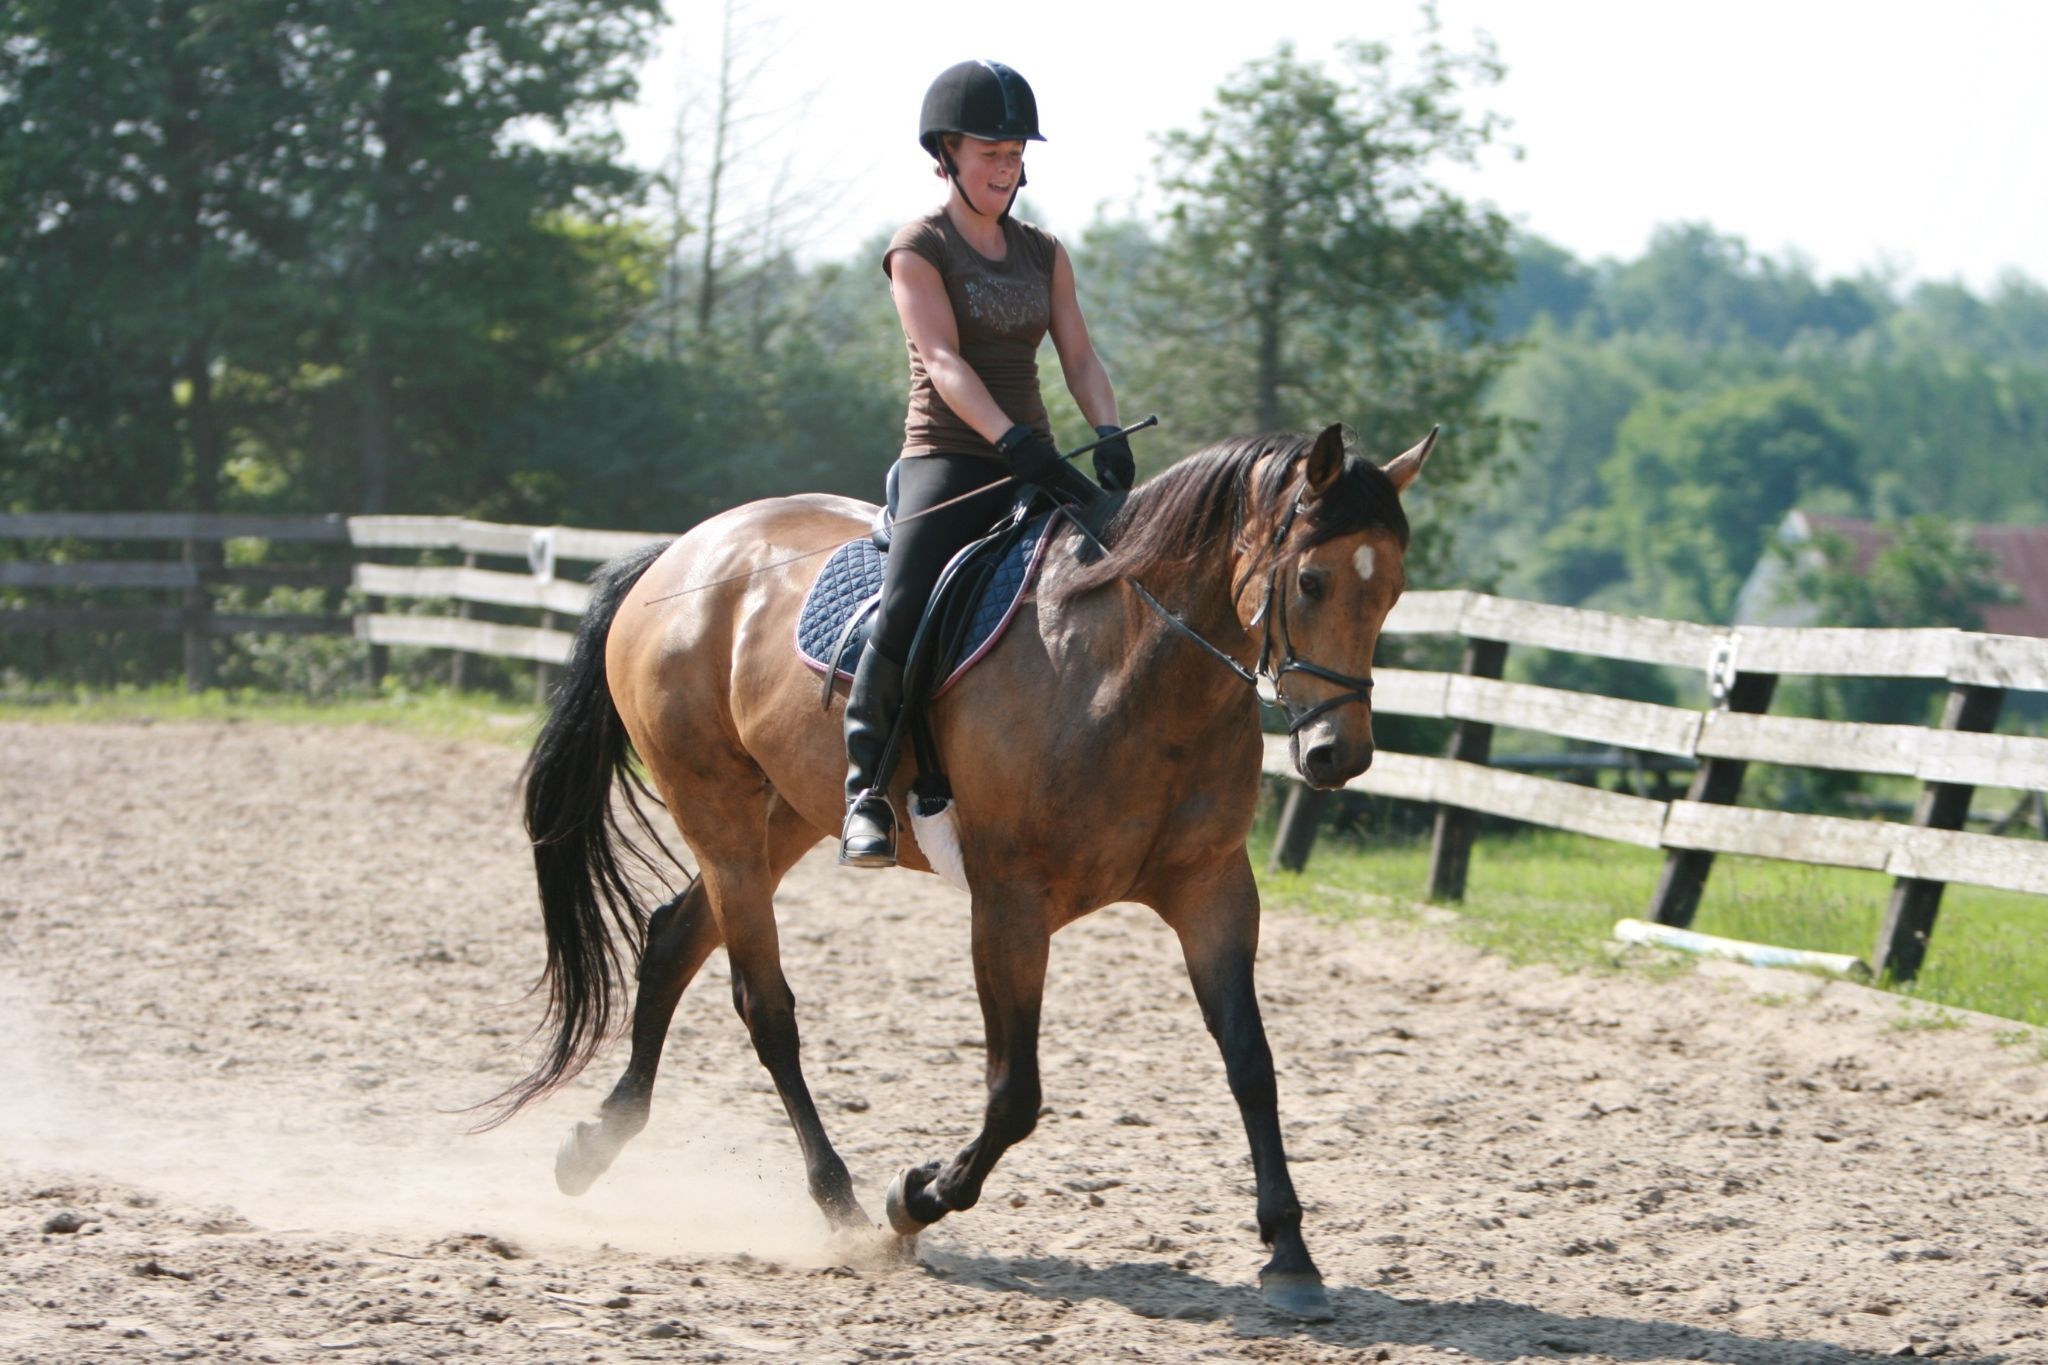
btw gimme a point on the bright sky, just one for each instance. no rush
(1866, 135)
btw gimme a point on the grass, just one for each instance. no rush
(1546, 896)
(2033, 1041)
(1926, 1021)
(439, 713)
(1525, 908)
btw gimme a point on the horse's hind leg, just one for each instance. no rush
(680, 936)
(742, 895)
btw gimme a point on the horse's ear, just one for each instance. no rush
(1404, 468)
(1326, 460)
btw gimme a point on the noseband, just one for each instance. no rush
(1272, 613)
(1274, 609)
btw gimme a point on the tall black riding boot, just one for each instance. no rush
(868, 838)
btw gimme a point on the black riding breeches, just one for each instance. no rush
(921, 545)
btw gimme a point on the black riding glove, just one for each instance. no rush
(1032, 458)
(1115, 468)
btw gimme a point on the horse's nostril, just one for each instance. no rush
(1329, 764)
(1319, 759)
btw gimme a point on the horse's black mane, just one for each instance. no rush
(1197, 508)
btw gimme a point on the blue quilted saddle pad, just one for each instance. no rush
(851, 581)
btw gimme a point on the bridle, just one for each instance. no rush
(1272, 614)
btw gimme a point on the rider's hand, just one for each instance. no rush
(1032, 458)
(1115, 467)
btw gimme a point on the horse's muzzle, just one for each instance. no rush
(1326, 763)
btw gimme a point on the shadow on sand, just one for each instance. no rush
(1481, 1329)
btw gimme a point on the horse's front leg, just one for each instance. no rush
(1217, 920)
(1010, 947)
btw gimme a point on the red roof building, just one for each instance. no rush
(2021, 553)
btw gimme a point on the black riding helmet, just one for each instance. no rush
(981, 99)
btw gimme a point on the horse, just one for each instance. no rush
(1107, 749)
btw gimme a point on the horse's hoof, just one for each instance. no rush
(849, 1219)
(577, 1162)
(871, 1248)
(1297, 1294)
(896, 1203)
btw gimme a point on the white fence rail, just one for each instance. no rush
(1741, 666)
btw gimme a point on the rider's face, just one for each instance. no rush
(989, 172)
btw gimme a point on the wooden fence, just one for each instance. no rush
(184, 583)
(538, 589)
(1740, 668)
(363, 544)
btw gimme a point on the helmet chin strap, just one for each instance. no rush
(952, 172)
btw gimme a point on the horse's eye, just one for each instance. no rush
(1311, 585)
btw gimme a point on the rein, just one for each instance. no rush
(1101, 440)
(1272, 613)
(1272, 610)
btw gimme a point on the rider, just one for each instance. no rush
(976, 290)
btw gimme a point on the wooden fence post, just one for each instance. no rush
(544, 674)
(540, 559)
(1909, 917)
(458, 659)
(1299, 820)
(1450, 844)
(377, 659)
(198, 616)
(1716, 782)
(378, 662)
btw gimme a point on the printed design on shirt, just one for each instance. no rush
(1007, 305)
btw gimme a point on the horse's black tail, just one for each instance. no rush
(584, 860)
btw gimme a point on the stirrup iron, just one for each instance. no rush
(867, 838)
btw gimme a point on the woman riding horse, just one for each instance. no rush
(1107, 747)
(977, 290)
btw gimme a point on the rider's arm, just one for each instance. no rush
(928, 321)
(1086, 379)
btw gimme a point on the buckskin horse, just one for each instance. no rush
(1106, 749)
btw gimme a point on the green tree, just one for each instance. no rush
(1707, 286)
(1312, 268)
(1565, 395)
(226, 226)
(1549, 283)
(1950, 426)
(143, 226)
(1698, 488)
(1926, 571)
(460, 262)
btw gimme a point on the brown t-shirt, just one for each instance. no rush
(1002, 310)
